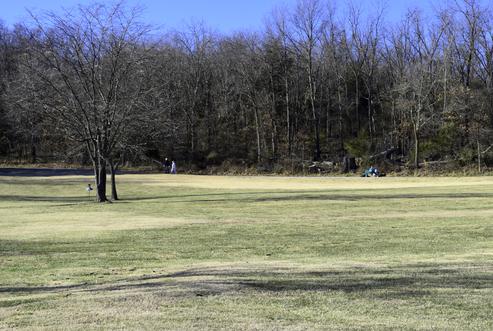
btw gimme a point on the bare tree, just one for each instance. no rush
(418, 89)
(196, 46)
(88, 76)
(306, 34)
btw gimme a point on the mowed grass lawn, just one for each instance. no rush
(247, 253)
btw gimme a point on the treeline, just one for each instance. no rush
(96, 85)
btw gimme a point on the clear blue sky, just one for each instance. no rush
(223, 15)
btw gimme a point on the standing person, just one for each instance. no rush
(173, 167)
(167, 166)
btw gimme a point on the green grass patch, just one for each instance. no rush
(189, 252)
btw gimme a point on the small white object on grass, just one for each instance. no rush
(89, 189)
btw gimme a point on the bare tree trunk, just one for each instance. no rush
(101, 180)
(370, 116)
(288, 113)
(445, 81)
(357, 104)
(257, 128)
(341, 134)
(393, 139)
(416, 149)
(101, 187)
(192, 139)
(273, 121)
(316, 126)
(479, 155)
(95, 166)
(113, 169)
(273, 140)
(34, 158)
(328, 128)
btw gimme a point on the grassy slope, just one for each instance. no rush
(248, 253)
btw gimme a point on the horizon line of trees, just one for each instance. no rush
(95, 85)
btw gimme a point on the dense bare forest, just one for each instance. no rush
(96, 86)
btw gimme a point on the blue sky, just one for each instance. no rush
(223, 15)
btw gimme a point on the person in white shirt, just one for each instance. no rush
(173, 168)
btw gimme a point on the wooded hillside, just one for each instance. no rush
(97, 86)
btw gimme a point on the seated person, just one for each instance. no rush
(371, 172)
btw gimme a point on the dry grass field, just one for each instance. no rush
(247, 253)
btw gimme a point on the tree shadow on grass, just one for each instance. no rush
(254, 197)
(405, 281)
(304, 196)
(36, 198)
(41, 289)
